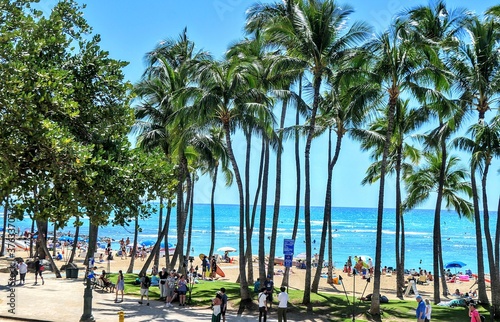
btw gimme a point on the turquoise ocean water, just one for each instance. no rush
(354, 233)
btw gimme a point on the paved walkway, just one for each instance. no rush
(61, 300)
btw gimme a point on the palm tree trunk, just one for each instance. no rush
(400, 279)
(155, 249)
(494, 275)
(212, 210)
(481, 283)
(244, 292)
(375, 303)
(263, 215)
(160, 221)
(436, 246)
(277, 190)
(307, 194)
(190, 224)
(167, 222)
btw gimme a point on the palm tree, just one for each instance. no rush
(407, 121)
(313, 31)
(435, 29)
(227, 94)
(477, 66)
(161, 122)
(484, 146)
(398, 67)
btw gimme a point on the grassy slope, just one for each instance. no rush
(324, 305)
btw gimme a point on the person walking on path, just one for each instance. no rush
(428, 310)
(473, 313)
(38, 270)
(282, 304)
(120, 286)
(420, 309)
(23, 269)
(145, 284)
(223, 306)
(163, 275)
(216, 308)
(262, 305)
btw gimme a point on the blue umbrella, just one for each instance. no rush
(455, 264)
(148, 242)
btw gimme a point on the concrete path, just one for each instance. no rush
(61, 300)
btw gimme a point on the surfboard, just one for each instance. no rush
(202, 256)
(220, 272)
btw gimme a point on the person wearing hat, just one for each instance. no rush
(269, 285)
(420, 309)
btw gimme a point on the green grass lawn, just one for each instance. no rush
(325, 305)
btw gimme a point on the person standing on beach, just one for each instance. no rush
(349, 265)
(420, 309)
(223, 306)
(269, 285)
(428, 310)
(38, 270)
(145, 284)
(262, 305)
(282, 304)
(120, 286)
(205, 266)
(214, 268)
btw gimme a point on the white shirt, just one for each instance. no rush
(283, 299)
(23, 268)
(428, 311)
(262, 299)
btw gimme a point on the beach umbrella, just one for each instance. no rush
(226, 249)
(455, 265)
(148, 242)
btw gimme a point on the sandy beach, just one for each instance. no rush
(350, 284)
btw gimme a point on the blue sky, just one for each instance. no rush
(130, 28)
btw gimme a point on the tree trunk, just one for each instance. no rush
(130, 268)
(494, 274)
(5, 215)
(212, 210)
(250, 222)
(307, 194)
(42, 247)
(262, 220)
(160, 223)
(375, 303)
(481, 283)
(277, 190)
(244, 291)
(155, 249)
(400, 280)
(75, 238)
(190, 223)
